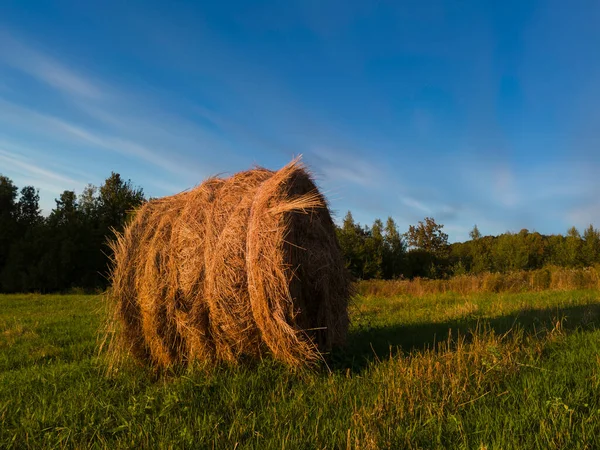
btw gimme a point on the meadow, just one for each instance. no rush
(437, 370)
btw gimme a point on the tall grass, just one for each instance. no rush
(553, 278)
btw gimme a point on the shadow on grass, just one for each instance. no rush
(369, 343)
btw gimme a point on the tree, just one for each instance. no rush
(428, 236)
(8, 211)
(591, 246)
(8, 197)
(29, 213)
(8, 217)
(475, 234)
(572, 248)
(363, 248)
(394, 250)
(88, 201)
(536, 250)
(347, 239)
(480, 251)
(118, 198)
(66, 210)
(554, 251)
(64, 260)
(509, 252)
(373, 251)
(20, 268)
(352, 238)
(103, 211)
(429, 249)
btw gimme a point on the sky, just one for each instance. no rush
(470, 112)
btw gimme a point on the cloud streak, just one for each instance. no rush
(45, 69)
(64, 130)
(33, 169)
(345, 167)
(29, 172)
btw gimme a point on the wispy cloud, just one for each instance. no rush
(37, 175)
(63, 129)
(156, 157)
(51, 161)
(342, 166)
(18, 55)
(114, 119)
(160, 129)
(415, 204)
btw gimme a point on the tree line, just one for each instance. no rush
(69, 247)
(423, 251)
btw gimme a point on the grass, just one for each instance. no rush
(438, 371)
(547, 278)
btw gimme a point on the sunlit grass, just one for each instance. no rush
(439, 371)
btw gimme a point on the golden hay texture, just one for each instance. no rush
(237, 267)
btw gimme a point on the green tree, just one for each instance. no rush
(117, 199)
(429, 249)
(481, 251)
(104, 213)
(509, 252)
(479, 255)
(66, 211)
(536, 250)
(363, 248)
(347, 239)
(572, 248)
(353, 242)
(88, 201)
(591, 246)
(394, 250)
(64, 260)
(20, 271)
(373, 251)
(554, 250)
(474, 234)
(29, 212)
(8, 217)
(428, 236)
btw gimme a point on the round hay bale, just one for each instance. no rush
(237, 267)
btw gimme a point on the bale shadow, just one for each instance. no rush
(367, 344)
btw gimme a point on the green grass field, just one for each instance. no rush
(440, 371)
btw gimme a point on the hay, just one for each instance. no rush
(237, 267)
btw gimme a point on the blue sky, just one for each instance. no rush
(470, 112)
